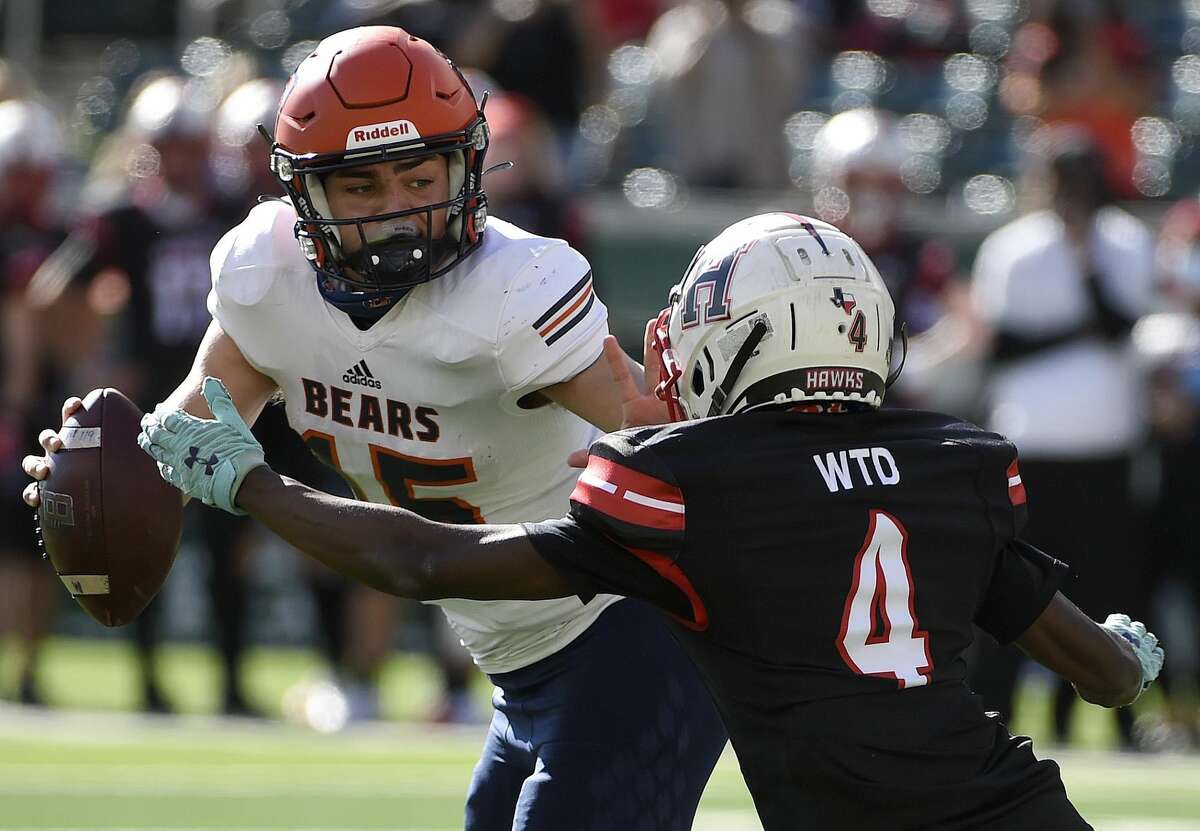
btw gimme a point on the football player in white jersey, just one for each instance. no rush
(449, 362)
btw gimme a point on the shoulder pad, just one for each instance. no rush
(555, 277)
(249, 258)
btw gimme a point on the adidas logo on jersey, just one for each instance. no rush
(359, 374)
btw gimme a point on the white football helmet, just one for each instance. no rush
(778, 308)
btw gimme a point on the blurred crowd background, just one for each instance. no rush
(1023, 172)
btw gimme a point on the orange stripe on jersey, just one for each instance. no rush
(670, 572)
(1016, 488)
(567, 312)
(629, 496)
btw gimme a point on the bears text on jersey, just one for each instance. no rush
(387, 416)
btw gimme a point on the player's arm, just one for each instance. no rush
(553, 326)
(397, 551)
(1101, 663)
(401, 553)
(218, 356)
(1109, 663)
(591, 394)
(631, 383)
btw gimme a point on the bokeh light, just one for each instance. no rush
(770, 17)
(801, 128)
(921, 174)
(924, 133)
(989, 195)
(633, 65)
(1152, 177)
(600, 124)
(650, 187)
(121, 57)
(894, 9)
(205, 56)
(966, 111)
(969, 73)
(270, 30)
(863, 71)
(831, 204)
(1155, 136)
(294, 54)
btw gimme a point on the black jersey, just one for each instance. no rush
(825, 572)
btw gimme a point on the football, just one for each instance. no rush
(107, 521)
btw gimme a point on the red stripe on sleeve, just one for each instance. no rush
(670, 572)
(626, 495)
(626, 477)
(1016, 487)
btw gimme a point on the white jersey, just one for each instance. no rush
(421, 410)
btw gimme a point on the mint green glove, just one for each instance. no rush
(1145, 645)
(207, 459)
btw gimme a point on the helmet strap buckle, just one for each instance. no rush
(721, 393)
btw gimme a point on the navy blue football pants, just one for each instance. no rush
(614, 731)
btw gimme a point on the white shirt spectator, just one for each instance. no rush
(1077, 399)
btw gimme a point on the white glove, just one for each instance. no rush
(1145, 645)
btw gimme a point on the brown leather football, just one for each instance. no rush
(108, 521)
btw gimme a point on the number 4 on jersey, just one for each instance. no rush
(879, 634)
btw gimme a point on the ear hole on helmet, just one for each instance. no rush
(841, 328)
(697, 379)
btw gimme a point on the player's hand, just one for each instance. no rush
(1145, 645)
(205, 458)
(638, 409)
(36, 466)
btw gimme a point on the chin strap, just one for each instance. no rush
(721, 393)
(895, 374)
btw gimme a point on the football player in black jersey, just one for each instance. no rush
(824, 560)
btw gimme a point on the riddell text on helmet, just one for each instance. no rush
(384, 132)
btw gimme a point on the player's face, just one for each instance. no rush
(388, 187)
(183, 162)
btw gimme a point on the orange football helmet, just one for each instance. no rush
(368, 95)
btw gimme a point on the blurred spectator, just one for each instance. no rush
(1177, 256)
(914, 30)
(241, 154)
(731, 72)
(1061, 288)
(532, 193)
(1083, 63)
(437, 21)
(154, 239)
(31, 150)
(613, 22)
(1169, 346)
(608, 25)
(535, 48)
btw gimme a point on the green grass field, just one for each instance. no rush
(103, 768)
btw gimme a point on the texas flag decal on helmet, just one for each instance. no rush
(844, 300)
